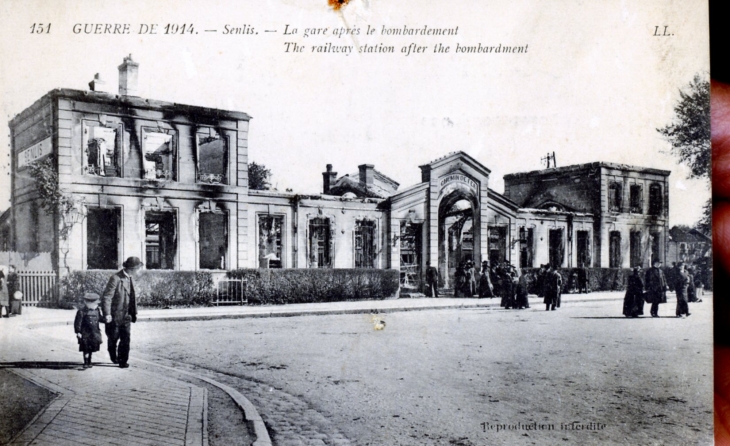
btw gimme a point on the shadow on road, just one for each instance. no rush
(53, 365)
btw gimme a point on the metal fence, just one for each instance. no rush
(36, 286)
(230, 292)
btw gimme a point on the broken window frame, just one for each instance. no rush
(411, 250)
(88, 143)
(166, 255)
(270, 221)
(222, 261)
(365, 255)
(160, 174)
(636, 199)
(615, 198)
(656, 200)
(99, 247)
(208, 177)
(324, 252)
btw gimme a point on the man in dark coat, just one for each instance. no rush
(432, 281)
(656, 287)
(119, 307)
(553, 283)
(680, 287)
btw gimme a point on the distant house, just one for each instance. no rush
(687, 245)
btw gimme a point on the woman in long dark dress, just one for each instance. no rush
(634, 299)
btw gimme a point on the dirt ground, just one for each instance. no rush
(20, 401)
(466, 377)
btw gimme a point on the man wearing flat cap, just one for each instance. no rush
(119, 307)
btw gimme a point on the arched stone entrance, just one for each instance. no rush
(458, 233)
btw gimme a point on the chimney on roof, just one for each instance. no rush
(97, 84)
(366, 174)
(128, 71)
(328, 179)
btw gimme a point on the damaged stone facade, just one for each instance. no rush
(169, 183)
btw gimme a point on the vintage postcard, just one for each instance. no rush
(366, 222)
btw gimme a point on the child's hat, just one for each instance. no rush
(91, 297)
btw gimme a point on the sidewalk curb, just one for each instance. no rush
(273, 314)
(249, 410)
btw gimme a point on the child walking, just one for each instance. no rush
(86, 326)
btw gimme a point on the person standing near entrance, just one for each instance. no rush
(656, 287)
(485, 284)
(553, 282)
(119, 307)
(432, 281)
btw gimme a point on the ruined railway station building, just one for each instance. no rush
(168, 183)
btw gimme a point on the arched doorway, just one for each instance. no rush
(458, 233)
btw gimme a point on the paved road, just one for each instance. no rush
(457, 376)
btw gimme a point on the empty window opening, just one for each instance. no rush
(655, 200)
(411, 246)
(160, 240)
(556, 247)
(526, 247)
(320, 249)
(583, 242)
(212, 157)
(159, 155)
(497, 244)
(102, 238)
(365, 244)
(213, 237)
(614, 197)
(270, 237)
(636, 199)
(101, 149)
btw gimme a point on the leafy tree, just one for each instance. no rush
(258, 176)
(689, 135)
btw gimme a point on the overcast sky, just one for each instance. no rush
(594, 84)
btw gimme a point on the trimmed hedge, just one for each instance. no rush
(288, 286)
(154, 288)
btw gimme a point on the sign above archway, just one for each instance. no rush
(457, 181)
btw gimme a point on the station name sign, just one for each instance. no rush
(35, 152)
(458, 178)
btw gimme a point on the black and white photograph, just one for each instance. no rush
(355, 222)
